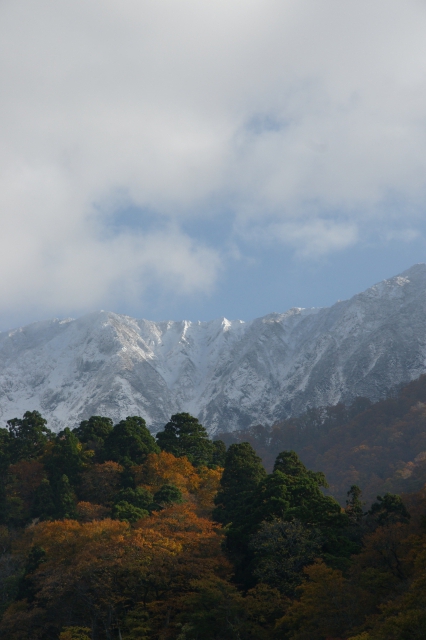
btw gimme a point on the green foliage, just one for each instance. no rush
(5, 449)
(219, 453)
(282, 566)
(128, 512)
(67, 456)
(65, 499)
(354, 505)
(217, 612)
(26, 587)
(130, 442)
(281, 551)
(93, 432)
(136, 624)
(389, 509)
(139, 497)
(242, 473)
(185, 436)
(168, 494)
(28, 436)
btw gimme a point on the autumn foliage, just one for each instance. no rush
(151, 544)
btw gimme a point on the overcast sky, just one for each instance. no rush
(202, 159)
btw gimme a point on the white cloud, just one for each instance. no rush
(304, 118)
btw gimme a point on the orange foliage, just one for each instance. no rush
(329, 605)
(207, 488)
(163, 467)
(87, 511)
(99, 566)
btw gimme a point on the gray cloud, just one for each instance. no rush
(305, 119)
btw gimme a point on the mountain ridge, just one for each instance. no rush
(228, 373)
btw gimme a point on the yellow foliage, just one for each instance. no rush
(75, 633)
(207, 488)
(161, 468)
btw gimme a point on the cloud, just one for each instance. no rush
(304, 120)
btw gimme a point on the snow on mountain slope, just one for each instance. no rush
(229, 373)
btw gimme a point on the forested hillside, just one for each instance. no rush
(380, 447)
(107, 532)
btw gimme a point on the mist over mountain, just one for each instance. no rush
(230, 374)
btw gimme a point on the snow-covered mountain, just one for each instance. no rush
(228, 373)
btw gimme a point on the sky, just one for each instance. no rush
(194, 160)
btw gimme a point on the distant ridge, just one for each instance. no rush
(231, 374)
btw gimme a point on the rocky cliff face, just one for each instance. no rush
(229, 373)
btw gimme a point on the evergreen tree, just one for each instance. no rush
(44, 503)
(242, 473)
(5, 459)
(130, 442)
(67, 456)
(388, 509)
(26, 588)
(128, 512)
(354, 505)
(139, 497)
(185, 436)
(93, 433)
(168, 494)
(28, 436)
(218, 453)
(281, 550)
(65, 500)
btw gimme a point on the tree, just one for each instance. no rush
(242, 473)
(168, 494)
(130, 442)
(93, 432)
(65, 499)
(67, 456)
(101, 482)
(44, 502)
(29, 436)
(354, 505)
(389, 509)
(127, 512)
(219, 453)
(281, 550)
(185, 436)
(328, 607)
(139, 497)
(163, 467)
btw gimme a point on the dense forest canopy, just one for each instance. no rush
(109, 532)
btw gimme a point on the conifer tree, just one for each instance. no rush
(93, 433)
(66, 457)
(130, 442)
(183, 435)
(44, 504)
(65, 499)
(28, 435)
(243, 471)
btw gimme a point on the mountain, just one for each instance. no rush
(230, 374)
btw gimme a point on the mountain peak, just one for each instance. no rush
(229, 373)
